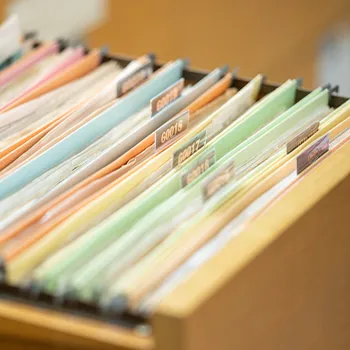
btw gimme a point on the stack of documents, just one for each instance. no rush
(118, 181)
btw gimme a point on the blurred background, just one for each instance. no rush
(283, 39)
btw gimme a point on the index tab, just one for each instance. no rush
(302, 137)
(218, 180)
(170, 131)
(201, 166)
(312, 153)
(189, 148)
(167, 96)
(135, 78)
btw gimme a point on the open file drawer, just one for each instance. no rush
(281, 284)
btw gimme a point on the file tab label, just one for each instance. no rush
(134, 79)
(218, 180)
(302, 137)
(170, 131)
(189, 148)
(167, 96)
(312, 153)
(201, 166)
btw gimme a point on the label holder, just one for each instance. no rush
(190, 148)
(171, 130)
(166, 97)
(201, 166)
(312, 153)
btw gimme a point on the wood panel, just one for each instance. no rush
(2, 9)
(282, 284)
(25, 327)
(275, 37)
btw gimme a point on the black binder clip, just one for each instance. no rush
(31, 290)
(2, 271)
(115, 307)
(186, 62)
(152, 57)
(235, 73)
(104, 50)
(327, 87)
(69, 297)
(334, 89)
(30, 35)
(63, 43)
(224, 69)
(299, 82)
(330, 88)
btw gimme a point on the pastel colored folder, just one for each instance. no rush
(215, 91)
(176, 204)
(82, 115)
(69, 57)
(27, 61)
(172, 252)
(10, 38)
(286, 94)
(20, 145)
(80, 68)
(142, 130)
(91, 130)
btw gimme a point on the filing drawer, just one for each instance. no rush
(281, 284)
(27, 327)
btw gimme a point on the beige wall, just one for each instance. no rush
(2, 9)
(276, 37)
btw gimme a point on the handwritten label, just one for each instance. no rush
(312, 153)
(189, 148)
(168, 132)
(218, 180)
(167, 96)
(134, 79)
(302, 137)
(201, 166)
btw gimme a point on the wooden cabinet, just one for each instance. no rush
(282, 284)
